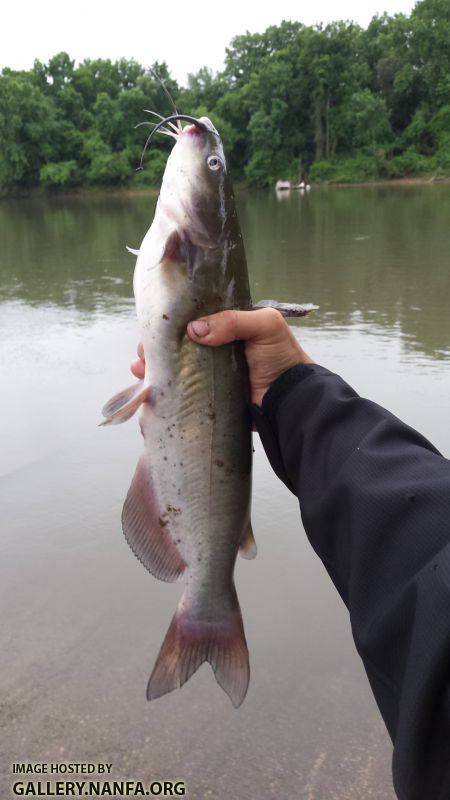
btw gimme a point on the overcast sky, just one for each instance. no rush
(187, 34)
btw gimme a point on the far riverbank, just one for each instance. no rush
(94, 191)
(413, 181)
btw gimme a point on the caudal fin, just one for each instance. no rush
(191, 641)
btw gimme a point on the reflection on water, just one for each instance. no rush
(81, 619)
(377, 255)
(372, 255)
(71, 251)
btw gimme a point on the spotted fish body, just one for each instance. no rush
(188, 509)
(187, 512)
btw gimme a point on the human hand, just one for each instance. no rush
(270, 346)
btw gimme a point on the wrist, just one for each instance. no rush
(260, 388)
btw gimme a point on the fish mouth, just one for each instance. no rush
(177, 130)
(160, 126)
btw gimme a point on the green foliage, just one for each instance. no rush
(247, 52)
(83, 81)
(205, 88)
(109, 169)
(371, 122)
(409, 163)
(26, 127)
(348, 104)
(419, 134)
(430, 22)
(60, 70)
(264, 137)
(441, 127)
(359, 169)
(64, 174)
(152, 173)
(227, 132)
(348, 170)
(109, 121)
(370, 118)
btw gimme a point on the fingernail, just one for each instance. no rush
(200, 328)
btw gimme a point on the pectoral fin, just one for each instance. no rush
(287, 309)
(179, 249)
(130, 250)
(174, 248)
(247, 547)
(124, 404)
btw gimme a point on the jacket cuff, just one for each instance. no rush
(283, 386)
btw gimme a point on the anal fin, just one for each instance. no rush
(123, 405)
(147, 529)
(247, 547)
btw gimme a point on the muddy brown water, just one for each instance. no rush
(81, 620)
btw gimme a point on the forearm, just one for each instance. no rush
(375, 502)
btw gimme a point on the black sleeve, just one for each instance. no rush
(375, 502)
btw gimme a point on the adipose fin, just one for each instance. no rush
(247, 547)
(287, 309)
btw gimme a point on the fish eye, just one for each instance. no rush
(214, 163)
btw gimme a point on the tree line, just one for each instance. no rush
(328, 103)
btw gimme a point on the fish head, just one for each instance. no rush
(196, 192)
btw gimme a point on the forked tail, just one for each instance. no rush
(190, 641)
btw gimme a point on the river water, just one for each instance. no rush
(81, 620)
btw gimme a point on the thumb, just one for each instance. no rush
(227, 326)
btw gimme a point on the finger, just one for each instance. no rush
(226, 326)
(138, 368)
